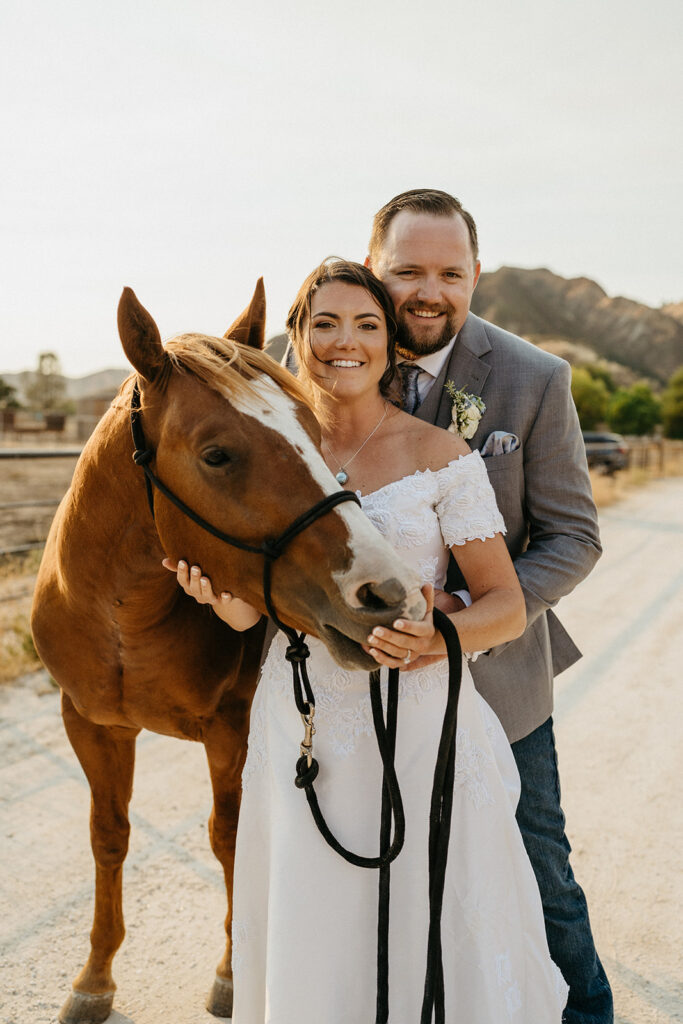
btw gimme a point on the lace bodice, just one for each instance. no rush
(425, 514)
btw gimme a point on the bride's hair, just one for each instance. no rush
(299, 318)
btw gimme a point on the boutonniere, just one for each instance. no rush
(466, 411)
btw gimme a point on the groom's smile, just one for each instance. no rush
(422, 313)
(428, 314)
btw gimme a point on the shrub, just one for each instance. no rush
(590, 397)
(634, 410)
(672, 406)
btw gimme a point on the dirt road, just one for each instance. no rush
(619, 738)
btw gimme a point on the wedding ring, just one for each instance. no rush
(408, 658)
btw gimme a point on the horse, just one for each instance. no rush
(232, 434)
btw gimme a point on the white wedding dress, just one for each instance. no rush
(305, 921)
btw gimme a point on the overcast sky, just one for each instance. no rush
(185, 147)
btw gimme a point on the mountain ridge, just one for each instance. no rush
(543, 306)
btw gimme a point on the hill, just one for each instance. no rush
(544, 307)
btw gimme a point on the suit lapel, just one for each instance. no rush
(465, 368)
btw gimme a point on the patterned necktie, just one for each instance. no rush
(410, 373)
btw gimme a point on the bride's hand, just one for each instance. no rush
(235, 612)
(408, 644)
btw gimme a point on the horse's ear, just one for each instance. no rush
(250, 327)
(140, 337)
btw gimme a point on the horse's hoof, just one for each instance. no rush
(219, 1002)
(86, 1008)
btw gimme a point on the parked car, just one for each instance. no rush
(605, 453)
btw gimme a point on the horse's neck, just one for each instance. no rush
(108, 523)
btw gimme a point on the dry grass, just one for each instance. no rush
(647, 464)
(24, 480)
(17, 580)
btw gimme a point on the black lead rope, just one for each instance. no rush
(439, 826)
(382, 1005)
(307, 767)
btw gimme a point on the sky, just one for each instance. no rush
(187, 147)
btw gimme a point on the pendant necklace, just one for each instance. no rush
(342, 476)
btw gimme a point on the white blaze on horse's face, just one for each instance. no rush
(373, 561)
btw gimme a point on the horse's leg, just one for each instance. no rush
(226, 745)
(107, 756)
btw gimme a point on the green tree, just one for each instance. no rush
(590, 397)
(634, 410)
(7, 395)
(46, 390)
(599, 372)
(672, 406)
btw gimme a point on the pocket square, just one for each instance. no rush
(500, 442)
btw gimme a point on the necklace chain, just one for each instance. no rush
(342, 475)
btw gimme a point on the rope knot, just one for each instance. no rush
(297, 652)
(141, 458)
(271, 549)
(305, 776)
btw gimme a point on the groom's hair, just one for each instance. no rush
(419, 200)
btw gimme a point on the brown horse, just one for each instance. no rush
(235, 438)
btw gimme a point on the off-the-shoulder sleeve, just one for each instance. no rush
(466, 505)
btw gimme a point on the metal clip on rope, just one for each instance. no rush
(306, 748)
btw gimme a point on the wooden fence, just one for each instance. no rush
(655, 456)
(649, 457)
(15, 506)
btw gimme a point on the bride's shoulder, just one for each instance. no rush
(433, 446)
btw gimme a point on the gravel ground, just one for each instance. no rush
(617, 718)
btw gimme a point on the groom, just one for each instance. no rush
(424, 248)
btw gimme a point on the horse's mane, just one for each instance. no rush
(223, 364)
(229, 367)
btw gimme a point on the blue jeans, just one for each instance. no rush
(570, 939)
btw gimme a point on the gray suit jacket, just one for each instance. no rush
(543, 491)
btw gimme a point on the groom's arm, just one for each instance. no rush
(564, 540)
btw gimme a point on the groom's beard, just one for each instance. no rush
(415, 340)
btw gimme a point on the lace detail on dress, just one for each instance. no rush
(467, 507)
(456, 503)
(343, 725)
(471, 763)
(510, 986)
(428, 569)
(239, 941)
(404, 523)
(257, 757)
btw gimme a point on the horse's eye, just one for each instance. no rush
(216, 457)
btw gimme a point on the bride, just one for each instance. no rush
(305, 920)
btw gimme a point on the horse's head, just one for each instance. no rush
(236, 440)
